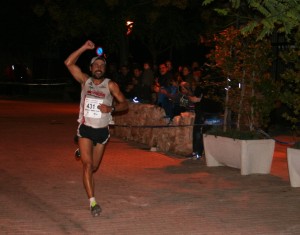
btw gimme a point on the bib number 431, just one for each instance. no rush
(91, 108)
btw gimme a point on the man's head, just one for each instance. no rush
(197, 73)
(124, 70)
(137, 72)
(163, 69)
(169, 65)
(98, 67)
(146, 65)
(186, 70)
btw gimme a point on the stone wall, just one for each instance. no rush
(145, 123)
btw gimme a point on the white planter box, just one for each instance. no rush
(293, 158)
(251, 156)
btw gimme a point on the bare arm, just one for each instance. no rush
(121, 104)
(70, 62)
(195, 99)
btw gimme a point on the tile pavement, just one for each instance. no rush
(141, 192)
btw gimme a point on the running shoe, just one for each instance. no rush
(196, 156)
(95, 210)
(77, 154)
(191, 155)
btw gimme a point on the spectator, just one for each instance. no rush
(195, 64)
(163, 82)
(147, 83)
(196, 78)
(169, 65)
(134, 89)
(112, 72)
(187, 74)
(203, 105)
(198, 147)
(172, 92)
(185, 92)
(125, 78)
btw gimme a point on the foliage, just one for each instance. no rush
(268, 15)
(296, 145)
(244, 62)
(276, 16)
(290, 94)
(237, 134)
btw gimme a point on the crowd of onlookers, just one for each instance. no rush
(176, 90)
(162, 85)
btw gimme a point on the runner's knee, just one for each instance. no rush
(88, 167)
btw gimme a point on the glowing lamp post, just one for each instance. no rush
(129, 25)
(124, 50)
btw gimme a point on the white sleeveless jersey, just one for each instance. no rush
(91, 97)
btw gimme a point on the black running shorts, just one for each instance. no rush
(97, 135)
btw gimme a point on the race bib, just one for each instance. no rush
(91, 108)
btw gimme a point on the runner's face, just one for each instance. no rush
(98, 69)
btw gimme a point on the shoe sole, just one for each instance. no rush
(95, 214)
(196, 158)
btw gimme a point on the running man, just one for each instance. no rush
(96, 107)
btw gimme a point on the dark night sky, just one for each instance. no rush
(24, 35)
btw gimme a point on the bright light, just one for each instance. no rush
(135, 100)
(129, 25)
(99, 51)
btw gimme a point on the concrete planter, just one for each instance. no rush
(251, 156)
(293, 158)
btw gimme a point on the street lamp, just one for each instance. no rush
(129, 25)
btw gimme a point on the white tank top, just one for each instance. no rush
(91, 96)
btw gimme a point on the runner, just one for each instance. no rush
(96, 107)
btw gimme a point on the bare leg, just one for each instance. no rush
(86, 152)
(91, 157)
(98, 152)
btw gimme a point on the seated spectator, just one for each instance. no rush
(171, 92)
(124, 78)
(184, 104)
(187, 74)
(147, 83)
(169, 65)
(112, 72)
(163, 82)
(134, 90)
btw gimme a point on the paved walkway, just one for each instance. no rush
(141, 192)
